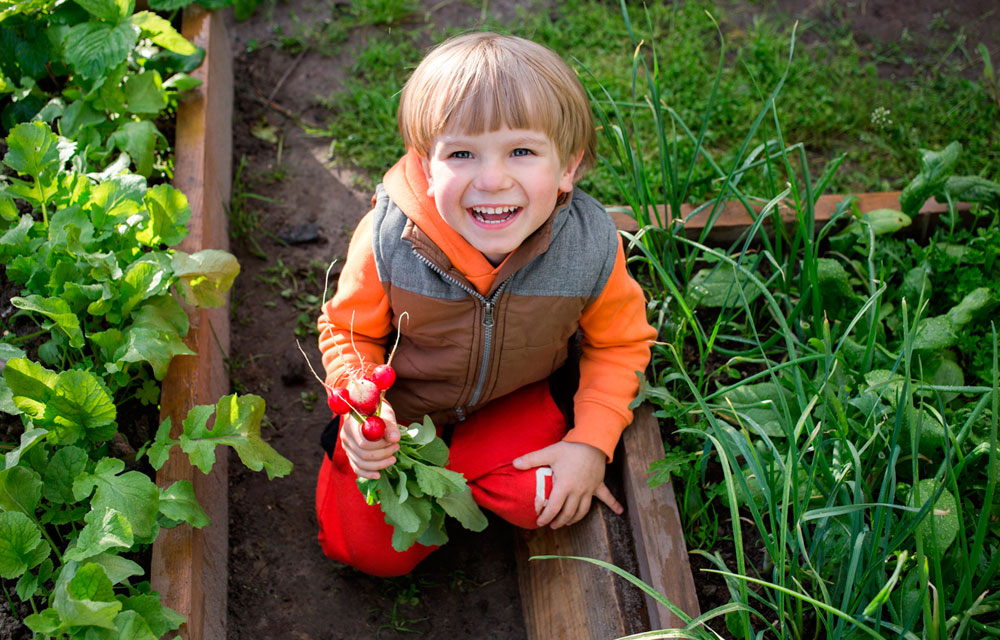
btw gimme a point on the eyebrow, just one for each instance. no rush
(523, 140)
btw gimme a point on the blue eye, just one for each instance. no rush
(460, 154)
(521, 152)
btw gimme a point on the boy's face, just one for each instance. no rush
(496, 188)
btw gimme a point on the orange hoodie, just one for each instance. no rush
(616, 335)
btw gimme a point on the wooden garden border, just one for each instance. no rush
(189, 566)
(734, 219)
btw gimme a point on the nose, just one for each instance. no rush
(492, 176)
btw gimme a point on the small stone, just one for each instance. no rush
(300, 233)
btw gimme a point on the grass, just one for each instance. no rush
(831, 94)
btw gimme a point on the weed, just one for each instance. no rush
(308, 399)
(244, 221)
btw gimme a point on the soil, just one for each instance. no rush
(280, 584)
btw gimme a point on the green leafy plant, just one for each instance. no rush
(417, 492)
(90, 253)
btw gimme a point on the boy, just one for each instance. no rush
(479, 236)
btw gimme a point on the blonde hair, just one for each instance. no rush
(484, 81)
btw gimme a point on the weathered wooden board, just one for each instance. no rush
(189, 566)
(733, 219)
(656, 525)
(579, 600)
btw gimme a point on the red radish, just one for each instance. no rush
(364, 395)
(382, 376)
(338, 401)
(373, 428)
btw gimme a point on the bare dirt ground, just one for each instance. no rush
(280, 584)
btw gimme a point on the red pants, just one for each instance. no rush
(482, 449)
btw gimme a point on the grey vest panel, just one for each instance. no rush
(577, 264)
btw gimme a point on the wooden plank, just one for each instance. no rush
(571, 598)
(189, 566)
(656, 525)
(733, 219)
(574, 599)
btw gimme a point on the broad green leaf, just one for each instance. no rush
(205, 276)
(437, 481)
(237, 424)
(832, 278)
(116, 567)
(132, 493)
(105, 529)
(32, 149)
(67, 463)
(720, 286)
(168, 214)
(917, 282)
(16, 242)
(93, 48)
(30, 384)
(161, 313)
(155, 347)
(763, 404)
(420, 434)
(885, 221)
(143, 279)
(144, 93)
(971, 189)
(117, 199)
(181, 82)
(434, 452)
(31, 437)
(939, 528)
(107, 10)
(8, 209)
(463, 508)
(161, 619)
(80, 407)
(85, 597)
(138, 140)
(159, 451)
(162, 33)
(975, 303)
(935, 333)
(935, 169)
(26, 586)
(435, 535)
(932, 434)
(402, 539)
(7, 399)
(21, 544)
(57, 310)
(169, 5)
(399, 515)
(132, 626)
(46, 622)
(178, 502)
(78, 116)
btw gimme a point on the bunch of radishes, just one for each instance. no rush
(362, 398)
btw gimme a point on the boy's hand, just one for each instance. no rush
(577, 477)
(367, 457)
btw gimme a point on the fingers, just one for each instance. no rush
(539, 458)
(565, 509)
(366, 457)
(604, 495)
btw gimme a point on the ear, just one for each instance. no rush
(569, 173)
(425, 165)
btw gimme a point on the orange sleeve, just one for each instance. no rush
(360, 308)
(616, 345)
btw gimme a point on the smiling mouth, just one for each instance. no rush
(494, 215)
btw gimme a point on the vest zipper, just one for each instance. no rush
(489, 304)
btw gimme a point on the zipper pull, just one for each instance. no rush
(488, 318)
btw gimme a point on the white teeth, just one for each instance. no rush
(480, 212)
